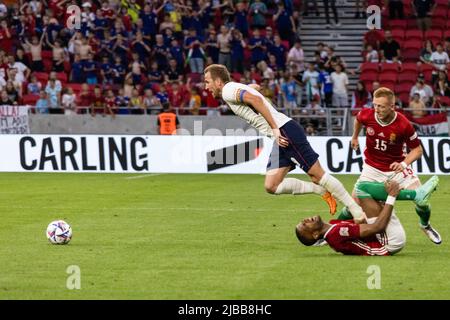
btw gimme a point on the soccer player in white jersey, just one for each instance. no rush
(291, 147)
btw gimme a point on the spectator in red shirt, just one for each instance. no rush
(5, 37)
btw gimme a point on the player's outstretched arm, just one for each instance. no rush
(412, 156)
(257, 102)
(357, 126)
(367, 230)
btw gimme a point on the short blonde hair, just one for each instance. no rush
(218, 71)
(384, 92)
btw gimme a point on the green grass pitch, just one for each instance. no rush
(196, 237)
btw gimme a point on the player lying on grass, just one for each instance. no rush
(387, 133)
(291, 147)
(382, 235)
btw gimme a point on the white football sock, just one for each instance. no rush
(337, 189)
(296, 186)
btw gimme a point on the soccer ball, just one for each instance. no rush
(59, 232)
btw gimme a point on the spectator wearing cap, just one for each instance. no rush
(87, 18)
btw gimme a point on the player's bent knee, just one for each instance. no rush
(270, 187)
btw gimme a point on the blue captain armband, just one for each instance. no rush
(241, 92)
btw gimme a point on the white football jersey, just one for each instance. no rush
(232, 94)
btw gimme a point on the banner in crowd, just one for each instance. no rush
(185, 154)
(14, 120)
(432, 125)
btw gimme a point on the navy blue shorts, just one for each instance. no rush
(299, 152)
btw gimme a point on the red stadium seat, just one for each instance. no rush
(404, 87)
(398, 35)
(285, 44)
(424, 67)
(447, 32)
(76, 87)
(411, 55)
(433, 35)
(438, 23)
(30, 99)
(388, 84)
(195, 77)
(407, 77)
(445, 101)
(415, 44)
(409, 67)
(398, 24)
(394, 67)
(47, 54)
(414, 35)
(236, 76)
(48, 65)
(404, 98)
(369, 66)
(41, 76)
(388, 77)
(368, 76)
(61, 76)
(440, 12)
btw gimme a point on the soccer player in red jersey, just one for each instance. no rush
(387, 134)
(382, 235)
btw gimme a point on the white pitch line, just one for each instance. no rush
(144, 176)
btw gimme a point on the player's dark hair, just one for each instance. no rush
(218, 71)
(306, 241)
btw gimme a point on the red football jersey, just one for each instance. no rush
(343, 236)
(385, 142)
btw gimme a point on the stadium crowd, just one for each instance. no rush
(133, 57)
